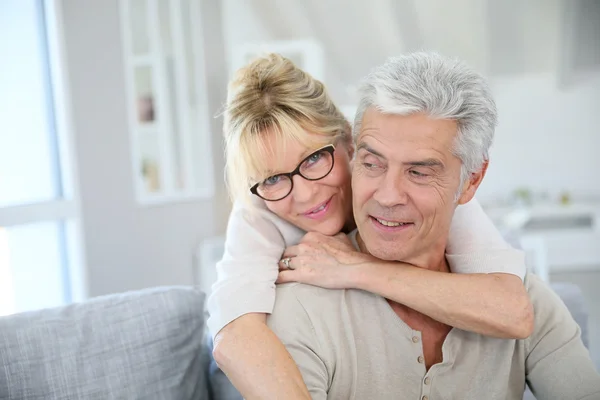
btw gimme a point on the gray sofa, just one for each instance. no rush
(149, 344)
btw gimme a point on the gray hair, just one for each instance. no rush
(442, 88)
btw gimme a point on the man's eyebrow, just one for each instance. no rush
(364, 146)
(429, 162)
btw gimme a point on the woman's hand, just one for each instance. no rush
(326, 261)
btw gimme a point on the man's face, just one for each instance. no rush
(405, 181)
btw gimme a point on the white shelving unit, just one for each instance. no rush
(558, 238)
(170, 135)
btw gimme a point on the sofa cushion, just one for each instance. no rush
(138, 345)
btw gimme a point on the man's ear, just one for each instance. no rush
(471, 185)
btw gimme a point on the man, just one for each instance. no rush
(423, 131)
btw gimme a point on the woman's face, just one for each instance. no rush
(323, 205)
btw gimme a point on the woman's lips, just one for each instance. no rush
(319, 211)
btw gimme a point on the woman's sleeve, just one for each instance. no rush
(246, 275)
(476, 246)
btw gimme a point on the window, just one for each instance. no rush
(40, 253)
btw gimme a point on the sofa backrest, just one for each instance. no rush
(143, 344)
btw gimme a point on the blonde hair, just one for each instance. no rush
(271, 100)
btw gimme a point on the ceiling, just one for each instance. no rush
(498, 38)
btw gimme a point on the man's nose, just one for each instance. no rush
(392, 191)
(303, 190)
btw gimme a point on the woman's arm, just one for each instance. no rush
(490, 304)
(493, 303)
(256, 361)
(476, 246)
(247, 351)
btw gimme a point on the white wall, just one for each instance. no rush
(127, 246)
(548, 133)
(548, 138)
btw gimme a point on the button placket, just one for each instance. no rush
(425, 389)
(416, 339)
(427, 382)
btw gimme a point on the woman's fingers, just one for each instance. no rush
(287, 276)
(291, 251)
(285, 263)
(302, 275)
(300, 250)
(313, 237)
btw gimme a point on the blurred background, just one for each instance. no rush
(111, 164)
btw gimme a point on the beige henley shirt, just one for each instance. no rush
(349, 344)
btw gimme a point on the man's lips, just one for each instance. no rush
(390, 223)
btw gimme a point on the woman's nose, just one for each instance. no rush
(304, 190)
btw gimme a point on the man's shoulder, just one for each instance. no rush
(549, 308)
(540, 293)
(317, 302)
(536, 287)
(298, 305)
(307, 294)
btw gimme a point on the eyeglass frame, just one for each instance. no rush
(330, 148)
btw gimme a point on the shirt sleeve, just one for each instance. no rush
(292, 324)
(246, 275)
(558, 366)
(476, 246)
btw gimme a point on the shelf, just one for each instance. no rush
(170, 144)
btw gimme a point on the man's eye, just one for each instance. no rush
(417, 174)
(369, 165)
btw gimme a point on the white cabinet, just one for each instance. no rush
(568, 235)
(167, 106)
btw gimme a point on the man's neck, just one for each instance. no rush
(435, 261)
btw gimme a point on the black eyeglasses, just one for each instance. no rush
(314, 167)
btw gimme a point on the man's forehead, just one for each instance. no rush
(416, 131)
(423, 156)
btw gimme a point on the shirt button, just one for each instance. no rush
(427, 380)
(415, 339)
(420, 359)
(425, 398)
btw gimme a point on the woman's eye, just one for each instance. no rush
(313, 158)
(272, 180)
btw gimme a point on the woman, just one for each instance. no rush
(289, 153)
